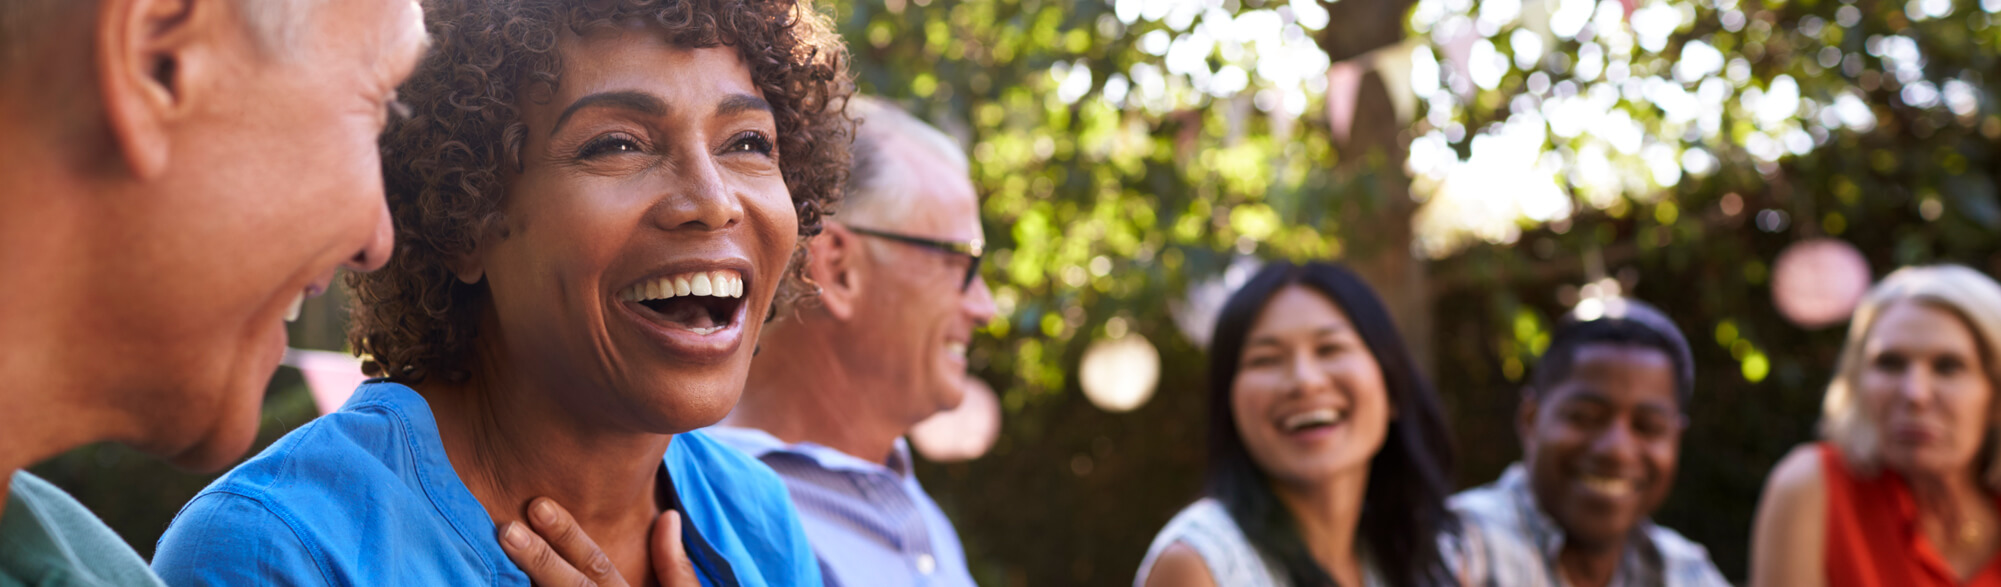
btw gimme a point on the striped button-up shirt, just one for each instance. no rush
(1516, 544)
(870, 525)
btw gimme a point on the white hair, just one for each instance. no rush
(278, 25)
(1973, 297)
(880, 182)
(275, 24)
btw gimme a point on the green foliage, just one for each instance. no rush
(1808, 108)
(1103, 197)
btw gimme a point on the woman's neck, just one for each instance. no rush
(1945, 491)
(1958, 517)
(511, 442)
(1326, 514)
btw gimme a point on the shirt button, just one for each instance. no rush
(926, 564)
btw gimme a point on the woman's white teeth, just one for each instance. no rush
(956, 349)
(298, 303)
(721, 284)
(1320, 417)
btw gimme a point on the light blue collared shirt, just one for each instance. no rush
(870, 525)
(1519, 543)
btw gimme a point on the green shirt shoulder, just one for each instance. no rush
(48, 539)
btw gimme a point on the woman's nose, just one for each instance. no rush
(696, 196)
(1916, 386)
(1307, 374)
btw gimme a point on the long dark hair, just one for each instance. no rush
(1403, 510)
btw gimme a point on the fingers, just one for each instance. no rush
(670, 560)
(557, 552)
(554, 523)
(535, 558)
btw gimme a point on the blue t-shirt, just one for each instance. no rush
(366, 496)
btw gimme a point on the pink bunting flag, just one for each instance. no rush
(1344, 89)
(331, 376)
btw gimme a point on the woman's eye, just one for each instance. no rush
(1949, 366)
(1260, 361)
(1327, 350)
(608, 145)
(1889, 362)
(750, 142)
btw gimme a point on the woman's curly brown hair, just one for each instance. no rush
(414, 319)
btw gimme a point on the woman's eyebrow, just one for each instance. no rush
(738, 103)
(640, 102)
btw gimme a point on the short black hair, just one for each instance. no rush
(1626, 322)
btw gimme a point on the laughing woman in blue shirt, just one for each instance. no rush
(597, 203)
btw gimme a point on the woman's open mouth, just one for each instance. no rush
(1312, 425)
(698, 315)
(703, 302)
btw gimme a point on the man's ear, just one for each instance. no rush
(146, 51)
(1525, 416)
(831, 263)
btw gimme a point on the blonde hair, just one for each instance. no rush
(1973, 297)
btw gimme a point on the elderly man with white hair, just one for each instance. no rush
(844, 375)
(179, 176)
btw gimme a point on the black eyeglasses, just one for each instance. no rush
(972, 249)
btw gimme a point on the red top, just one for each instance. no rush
(1873, 538)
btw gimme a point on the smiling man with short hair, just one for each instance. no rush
(179, 176)
(1601, 422)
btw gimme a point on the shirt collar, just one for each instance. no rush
(1640, 560)
(759, 443)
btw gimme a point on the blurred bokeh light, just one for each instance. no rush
(963, 433)
(1817, 282)
(1119, 374)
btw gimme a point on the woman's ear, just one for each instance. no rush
(470, 267)
(831, 264)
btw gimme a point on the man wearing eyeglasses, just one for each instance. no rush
(842, 376)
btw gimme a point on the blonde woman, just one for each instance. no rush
(1902, 490)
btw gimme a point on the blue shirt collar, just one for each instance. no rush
(434, 468)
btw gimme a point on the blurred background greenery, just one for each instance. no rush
(1486, 164)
